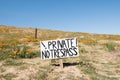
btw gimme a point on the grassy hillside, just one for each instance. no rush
(18, 41)
(20, 56)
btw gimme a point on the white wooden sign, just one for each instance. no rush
(62, 48)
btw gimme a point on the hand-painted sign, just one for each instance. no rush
(62, 48)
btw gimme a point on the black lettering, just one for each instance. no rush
(68, 42)
(75, 50)
(51, 53)
(62, 52)
(54, 43)
(67, 52)
(72, 42)
(60, 49)
(70, 52)
(44, 45)
(76, 42)
(56, 54)
(64, 44)
(49, 43)
(60, 46)
(45, 54)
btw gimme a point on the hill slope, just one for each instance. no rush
(20, 56)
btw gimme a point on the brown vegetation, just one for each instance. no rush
(20, 56)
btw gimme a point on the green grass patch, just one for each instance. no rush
(40, 75)
(2, 69)
(110, 46)
(83, 50)
(12, 62)
(86, 66)
(8, 76)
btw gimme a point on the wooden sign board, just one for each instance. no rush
(61, 48)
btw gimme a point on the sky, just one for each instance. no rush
(91, 16)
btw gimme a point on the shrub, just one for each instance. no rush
(18, 52)
(88, 41)
(24, 52)
(12, 62)
(110, 46)
(83, 50)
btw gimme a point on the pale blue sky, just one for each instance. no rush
(93, 16)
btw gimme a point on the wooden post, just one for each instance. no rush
(61, 63)
(35, 33)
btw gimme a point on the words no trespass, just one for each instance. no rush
(62, 48)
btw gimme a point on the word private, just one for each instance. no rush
(62, 48)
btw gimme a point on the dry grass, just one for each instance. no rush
(99, 56)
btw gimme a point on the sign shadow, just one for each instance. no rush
(66, 64)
